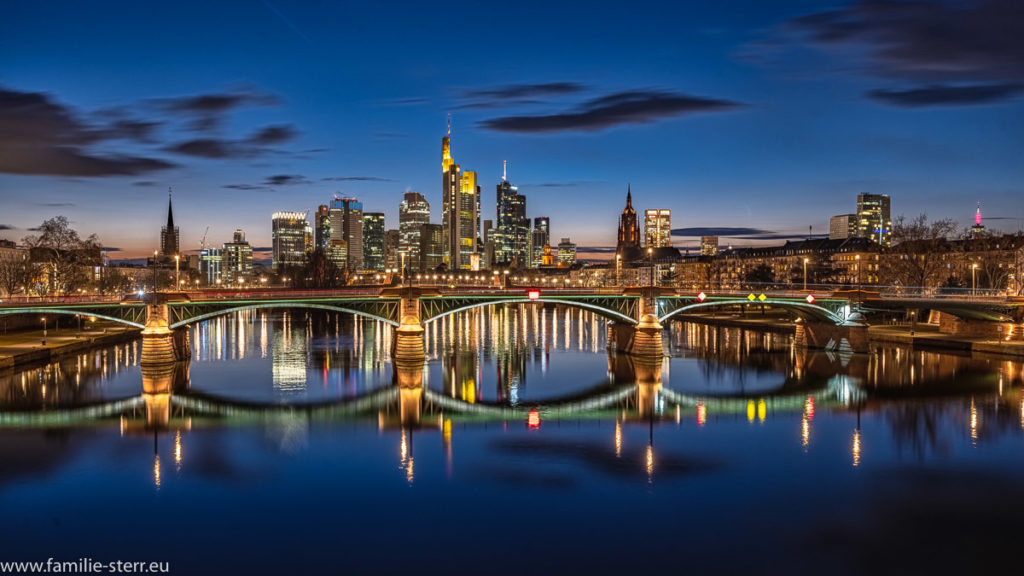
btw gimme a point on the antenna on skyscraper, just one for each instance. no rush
(449, 124)
(504, 170)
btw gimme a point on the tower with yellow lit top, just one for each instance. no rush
(460, 215)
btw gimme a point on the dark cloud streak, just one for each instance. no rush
(942, 95)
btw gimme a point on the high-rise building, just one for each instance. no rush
(658, 227)
(873, 221)
(236, 260)
(413, 213)
(540, 238)
(373, 241)
(321, 227)
(512, 235)
(709, 245)
(347, 226)
(629, 231)
(392, 258)
(288, 237)
(210, 260)
(488, 243)
(431, 247)
(566, 252)
(169, 234)
(460, 217)
(842, 226)
(978, 229)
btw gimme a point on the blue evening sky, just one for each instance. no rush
(770, 116)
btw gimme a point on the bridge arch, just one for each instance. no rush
(802, 309)
(600, 310)
(269, 305)
(68, 312)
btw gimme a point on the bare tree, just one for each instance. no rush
(916, 258)
(15, 272)
(62, 256)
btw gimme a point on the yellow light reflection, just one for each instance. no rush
(650, 462)
(618, 437)
(750, 410)
(805, 431)
(762, 410)
(856, 448)
(177, 449)
(156, 470)
(974, 422)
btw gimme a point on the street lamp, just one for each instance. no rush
(177, 258)
(857, 258)
(155, 252)
(650, 260)
(805, 274)
(973, 268)
(618, 269)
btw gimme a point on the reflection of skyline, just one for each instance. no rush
(70, 380)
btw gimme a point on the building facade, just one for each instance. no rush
(373, 241)
(431, 247)
(288, 239)
(460, 215)
(873, 219)
(347, 227)
(413, 213)
(540, 238)
(658, 227)
(566, 252)
(842, 226)
(236, 259)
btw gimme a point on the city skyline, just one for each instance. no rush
(766, 120)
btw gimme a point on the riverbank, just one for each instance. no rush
(26, 347)
(924, 336)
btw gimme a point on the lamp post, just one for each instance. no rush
(974, 267)
(44, 330)
(177, 281)
(155, 252)
(618, 269)
(857, 258)
(650, 261)
(805, 274)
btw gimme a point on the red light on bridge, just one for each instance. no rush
(809, 407)
(701, 297)
(533, 294)
(533, 419)
(702, 414)
(810, 298)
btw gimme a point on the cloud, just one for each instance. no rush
(55, 204)
(285, 180)
(206, 112)
(568, 184)
(262, 248)
(244, 187)
(597, 249)
(945, 95)
(273, 135)
(7, 227)
(112, 249)
(143, 183)
(933, 44)
(633, 107)
(356, 179)
(410, 101)
(39, 136)
(520, 91)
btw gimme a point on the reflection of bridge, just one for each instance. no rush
(635, 315)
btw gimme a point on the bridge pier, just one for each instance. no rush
(408, 342)
(160, 344)
(850, 336)
(989, 329)
(159, 381)
(642, 339)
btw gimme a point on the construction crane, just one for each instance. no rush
(202, 243)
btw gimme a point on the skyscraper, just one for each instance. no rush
(431, 247)
(288, 237)
(236, 259)
(373, 241)
(566, 252)
(392, 258)
(873, 220)
(629, 231)
(460, 219)
(842, 226)
(709, 245)
(658, 227)
(322, 227)
(169, 233)
(347, 226)
(511, 236)
(540, 238)
(413, 213)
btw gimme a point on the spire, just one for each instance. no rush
(977, 216)
(170, 213)
(449, 124)
(504, 170)
(629, 197)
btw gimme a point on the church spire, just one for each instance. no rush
(629, 197)
(170, 212)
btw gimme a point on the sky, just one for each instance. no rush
(756, 120)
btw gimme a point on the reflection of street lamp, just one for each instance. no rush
(44, 330)
(805, 274)
(973, 268)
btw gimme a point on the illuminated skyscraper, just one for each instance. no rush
(978, 229)
(873, 220)
(322, 227)
(431, 247)
(236, 259)
(288, 236)
(842, 226)
(460, 218)
(566, 252)
(169, 233)
(709, 245)
(512, 235)
(413, 213)
(347, 227)
(373, 241)
(392, 258)
(658, 227)
(540, 238)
